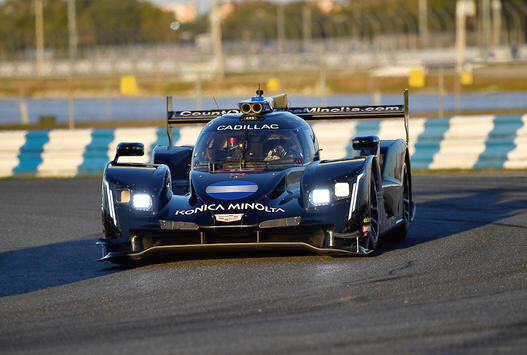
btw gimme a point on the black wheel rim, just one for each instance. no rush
(374, 213)
(406, 197)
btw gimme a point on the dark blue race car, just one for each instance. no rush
(254, 179)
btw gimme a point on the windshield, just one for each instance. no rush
(249, 149)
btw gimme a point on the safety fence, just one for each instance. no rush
(450, 143)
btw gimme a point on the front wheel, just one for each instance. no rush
(372, 238)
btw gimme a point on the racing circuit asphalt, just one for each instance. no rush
(458, 284)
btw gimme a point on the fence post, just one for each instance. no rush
(280, 23)
(108, 103)
(423, 23)
(71, 113)
(323, 99)
(376, 97)
(22, 104)
(199, 95)
(306, 26)
(457, 90)
(496, 23)
(39, 35)
(441, 96)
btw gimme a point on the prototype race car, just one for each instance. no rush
(254, 179)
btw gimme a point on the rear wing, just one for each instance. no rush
(311, 113)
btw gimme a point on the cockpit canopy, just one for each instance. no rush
(253, 148)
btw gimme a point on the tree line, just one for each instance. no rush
(99, 22)
(117, 22)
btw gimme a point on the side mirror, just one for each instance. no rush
(368, 145)
(129, 150)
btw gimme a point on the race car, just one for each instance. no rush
(255, 180)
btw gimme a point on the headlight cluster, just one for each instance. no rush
(142, 201)
(319, 197)
(342, 189)
(322, 197)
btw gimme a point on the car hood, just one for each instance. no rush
(235, 186)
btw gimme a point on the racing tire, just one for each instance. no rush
(400, 232)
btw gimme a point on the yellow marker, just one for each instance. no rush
(129, 85)
(466, 78)
(273, 84)
(416, 78)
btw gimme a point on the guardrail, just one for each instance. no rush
(450, 143)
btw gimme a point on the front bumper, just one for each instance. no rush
(318, 239)
(227, 247)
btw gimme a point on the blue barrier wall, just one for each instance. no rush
(456, 142)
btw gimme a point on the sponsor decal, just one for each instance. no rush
(204, 113)
(344, 109)
(231, 190)
(239, 127)
(245, 206)
(228, 217)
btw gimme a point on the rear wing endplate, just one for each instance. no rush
(311, 113)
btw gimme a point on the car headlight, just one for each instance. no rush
(142, 202)
(319, 197)
(342, 189)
